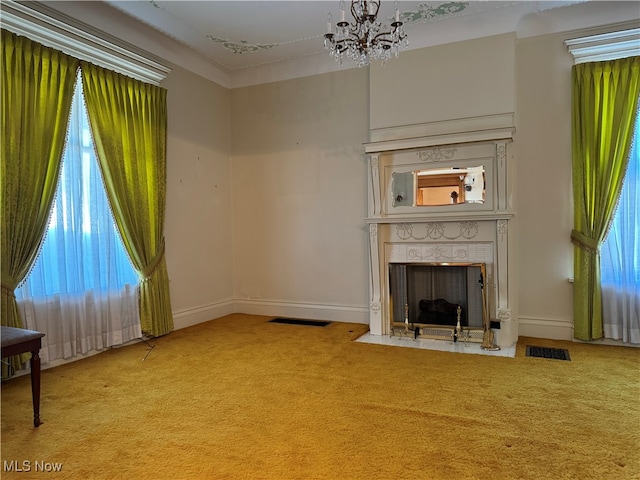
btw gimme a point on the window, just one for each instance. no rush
(605, 68)
(620, 258)
(82, 289)
(82, 250)
(623, 239)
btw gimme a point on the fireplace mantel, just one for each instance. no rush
(478, 231)
(437, 217)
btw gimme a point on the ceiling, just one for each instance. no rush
(240, 43)
(237, 35)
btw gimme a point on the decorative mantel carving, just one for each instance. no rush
(437, 230)
(436, 154)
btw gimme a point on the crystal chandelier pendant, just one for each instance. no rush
(367, 39)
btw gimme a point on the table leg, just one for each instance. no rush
(35, 386)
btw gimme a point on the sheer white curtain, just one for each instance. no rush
(82, 291)
(620, 259)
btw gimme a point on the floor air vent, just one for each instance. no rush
(547, 352)
(297, 321)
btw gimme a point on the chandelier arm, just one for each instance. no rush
(382, 34)
(353, 11)
(365, 13)
(352, 36)
(341, 45)
(387, 40)
(377, 5)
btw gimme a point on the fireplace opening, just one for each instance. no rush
(438, 300)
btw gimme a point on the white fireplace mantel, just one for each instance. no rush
(461, 232)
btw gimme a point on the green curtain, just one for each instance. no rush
(37, 89)
(604, 104)
(128, 120)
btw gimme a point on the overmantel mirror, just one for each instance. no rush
(438, 186)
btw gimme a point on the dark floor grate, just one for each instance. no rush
(297, 321)
(547, 352)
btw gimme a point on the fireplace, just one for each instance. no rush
(439, 299)
(427, 257)
(460, 273)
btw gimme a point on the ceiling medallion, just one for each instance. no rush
(367, 38)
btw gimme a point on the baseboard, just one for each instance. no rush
(544, 328)
(332, 313)
(204, 313)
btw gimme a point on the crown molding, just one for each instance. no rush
(56, 30)
(605, 46)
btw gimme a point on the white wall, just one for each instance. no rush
(543, 187)
(458, 80)
(299, 196)
(198, 228)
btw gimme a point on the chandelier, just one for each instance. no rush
(367, 39)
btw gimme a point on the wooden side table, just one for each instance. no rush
(19, 340)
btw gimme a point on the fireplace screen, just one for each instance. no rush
(430, 294)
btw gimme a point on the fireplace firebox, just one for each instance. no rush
(438, 300)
